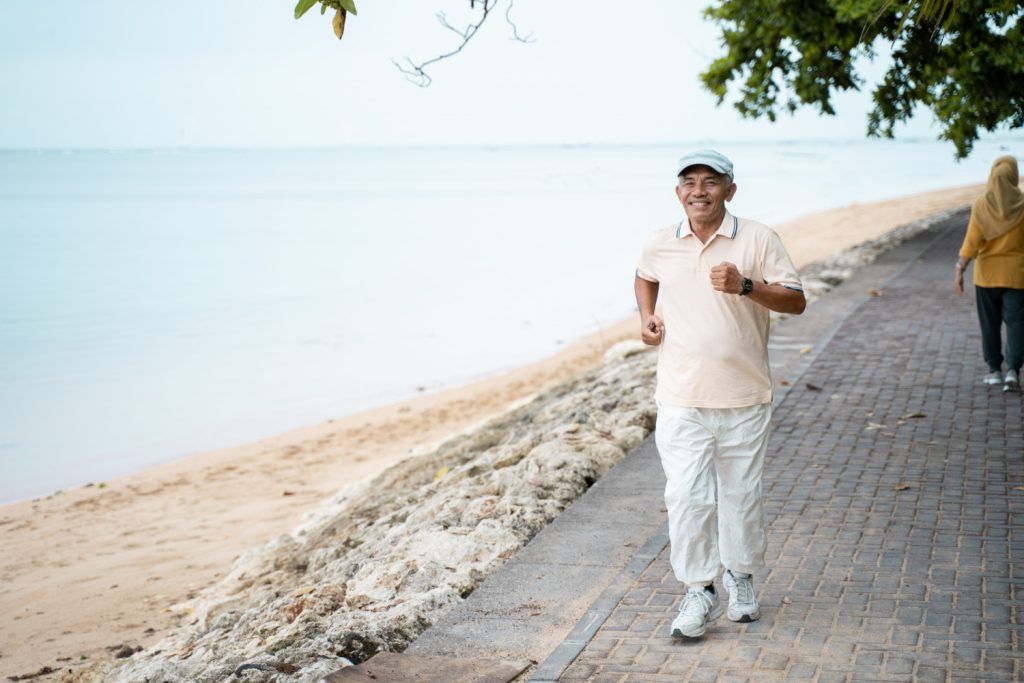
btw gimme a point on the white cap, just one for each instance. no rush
(706, 157)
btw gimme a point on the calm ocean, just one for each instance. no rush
(159, 303)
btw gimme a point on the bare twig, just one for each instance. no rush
(416, 73)
(528, 38)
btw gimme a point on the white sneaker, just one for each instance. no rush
(698, 608)
(1012, 381)
(743, 605)
(992, 378)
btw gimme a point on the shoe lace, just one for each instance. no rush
(695, 604)
(743, 587)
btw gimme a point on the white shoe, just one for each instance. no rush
(743, 605)
(698, 608)
(992, 378)
(1012, 381)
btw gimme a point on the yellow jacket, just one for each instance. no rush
(998, 262)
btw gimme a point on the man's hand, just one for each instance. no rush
(652, 330)
(725, 277)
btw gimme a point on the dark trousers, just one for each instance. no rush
(998, 305)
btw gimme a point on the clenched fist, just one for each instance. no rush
(725, 277)
(652, 330)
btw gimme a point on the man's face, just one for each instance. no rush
(703, 192)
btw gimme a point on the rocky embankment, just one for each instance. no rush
(375, 565)
(378, 563)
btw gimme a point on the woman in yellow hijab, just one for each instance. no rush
(995, 240)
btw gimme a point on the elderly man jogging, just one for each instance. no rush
(717, 277)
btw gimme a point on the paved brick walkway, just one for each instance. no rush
(896, 517)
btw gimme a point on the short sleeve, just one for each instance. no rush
(778, 268)
(645, 267)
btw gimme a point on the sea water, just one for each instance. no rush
(156, 303)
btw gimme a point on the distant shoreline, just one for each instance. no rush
(267, 343)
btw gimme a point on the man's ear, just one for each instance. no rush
(731, 192)
(679, 193)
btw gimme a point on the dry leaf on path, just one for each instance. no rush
(901, 487)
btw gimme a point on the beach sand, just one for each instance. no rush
(88, 571)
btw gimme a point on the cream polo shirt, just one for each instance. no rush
(714, 353)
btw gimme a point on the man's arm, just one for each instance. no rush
(651, 326)
(778, 298)
(725, 277)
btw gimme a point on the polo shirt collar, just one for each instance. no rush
(729, 227)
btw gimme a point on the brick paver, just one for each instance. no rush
(895, 497)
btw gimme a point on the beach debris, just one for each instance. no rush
(439, 475)
(913, 416)
(280, 667)
(786, 600)
(124, 651)
(45, 671)
(805, 350)
(573, 428)
(784, 382)
(1018, 488)
(812, 387)
(903, 486)
(875, 292)
(873, 426)
(288, 493)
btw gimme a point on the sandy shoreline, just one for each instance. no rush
(94, 568)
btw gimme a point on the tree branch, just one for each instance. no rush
(416, 73)
(528, 38)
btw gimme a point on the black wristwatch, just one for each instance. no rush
(748, 286)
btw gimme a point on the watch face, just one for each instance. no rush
(748, 285)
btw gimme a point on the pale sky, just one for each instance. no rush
(244, 73)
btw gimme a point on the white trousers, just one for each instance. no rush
(699, 448)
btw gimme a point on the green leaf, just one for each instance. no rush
(303, 7)
(350, 6)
